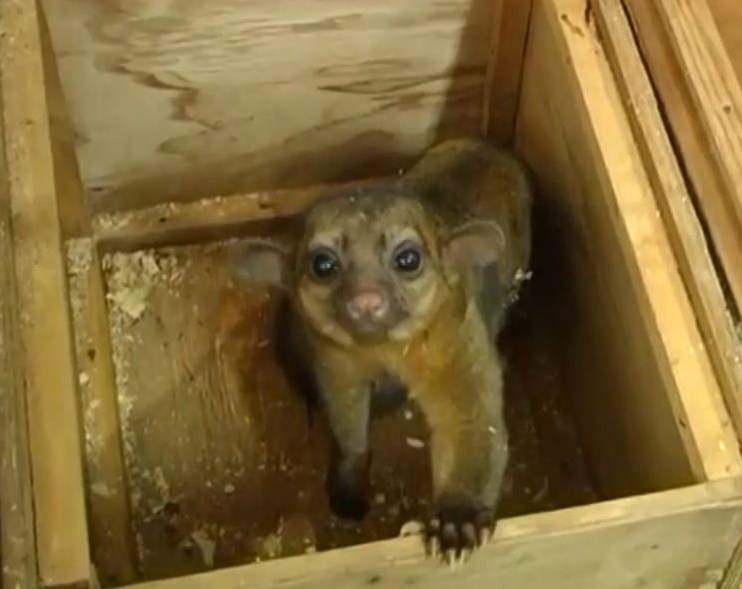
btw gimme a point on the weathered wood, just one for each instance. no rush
(47, 366)
(189, 99)
(674, 200)
(733, 575)
(17, 548)
(702, 99)
(678, 539)
(73, 211)
(630, 336)
(111, 536)
(505, 68)
(728, 17)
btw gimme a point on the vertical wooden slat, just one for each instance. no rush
(16, 509)
(47, 369)
(505, 65)
(674, 201)
(702, 99)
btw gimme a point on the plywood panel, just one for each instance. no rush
(181, 98)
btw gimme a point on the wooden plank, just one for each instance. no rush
(702, 100)
(505, 68)
(733, 575)
(674, 200)
(108, 498)
(678, 539)
(17, 549)
(73, 210)
(630, 336)
(45, 333)
(728, 17)
(278, 93)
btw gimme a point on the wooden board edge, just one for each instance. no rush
(674, 201)
(504, 68)
(113, 546)
(689, 120)
(48, 368)
(691, 386)
(378, 557)
(17, 542)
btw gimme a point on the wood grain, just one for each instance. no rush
(505, 68)
(679, 539)
(627, 325)
(702, 100)
(47, 367)
(17, 546)
(674, 200)
(188, 99)
(728, 17)
(112, 544)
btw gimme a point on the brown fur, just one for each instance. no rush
(466, 208)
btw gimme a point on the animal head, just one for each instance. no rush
(374, 264)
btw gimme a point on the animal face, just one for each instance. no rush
(369, 268)
(374, 264)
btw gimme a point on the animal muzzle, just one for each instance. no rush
(369, 311)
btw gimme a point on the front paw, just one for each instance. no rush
(456, 528)
(347, 494)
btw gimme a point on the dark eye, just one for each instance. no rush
(324, 263)
(408, 258)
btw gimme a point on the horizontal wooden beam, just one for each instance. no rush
(681, 539)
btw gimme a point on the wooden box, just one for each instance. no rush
(147, 435)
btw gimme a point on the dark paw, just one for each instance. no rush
(457, 528)
(348, 497)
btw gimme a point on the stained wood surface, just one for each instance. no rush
(702, 99)
(219, 453)
(675, 204)
(679, 539)
(44, 333)
(629, 334)
(505, 68)
(17, 547)
(187, 99)
(728, 17)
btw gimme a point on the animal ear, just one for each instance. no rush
(475, 243)
(261, 262)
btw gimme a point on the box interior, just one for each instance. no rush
(219, 461)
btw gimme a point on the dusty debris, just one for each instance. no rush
(416, 443)
(206, 545)
(411, 528)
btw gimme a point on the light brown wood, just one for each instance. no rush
(679, 539)
(111, 537)
(42, 304)
(505, 67)
(674, 200)
(17, 547)
(702, 100)
(73, 210)
(728, 17)
(634, 351)
(190, 99)
(733, 575)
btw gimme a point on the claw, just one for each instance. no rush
(435, 547)
(485, 535)
(451, 558)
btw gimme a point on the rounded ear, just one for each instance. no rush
(261, 261)
(475, 243)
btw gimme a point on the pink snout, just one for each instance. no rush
(367, 304)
